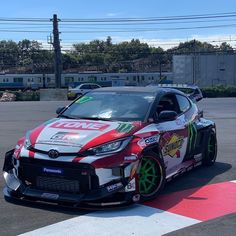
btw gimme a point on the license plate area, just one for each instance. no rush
(57, 184)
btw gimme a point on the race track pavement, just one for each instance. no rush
(201, 202)
(168, 213)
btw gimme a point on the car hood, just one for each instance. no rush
(76, 135)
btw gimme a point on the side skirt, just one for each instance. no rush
(185, 167)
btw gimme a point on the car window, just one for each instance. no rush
(94, 86)
(183, 102)
(167, 103)
(122, 106)
(86, 86)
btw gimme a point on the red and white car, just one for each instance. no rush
(112, 146)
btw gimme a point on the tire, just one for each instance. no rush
(210, 149)
(152, 176)
(78, 95)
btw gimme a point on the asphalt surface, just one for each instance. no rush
(18, 117)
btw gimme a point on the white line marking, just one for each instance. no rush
(137, 220)
(233, 181)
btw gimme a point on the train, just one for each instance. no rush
(37, 81)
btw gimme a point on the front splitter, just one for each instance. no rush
(19, 199)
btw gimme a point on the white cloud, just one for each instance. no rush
(112, 14)
(165, 43)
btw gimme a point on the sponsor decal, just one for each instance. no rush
(147, 141)
(84, 99)
(125, 128)
(131, 186)
(173, 145)
(192, 134)
(80, 125)
(130, 158)
(51, 170)
(65, 136)
(114, 187)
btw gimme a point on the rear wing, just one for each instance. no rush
(192, 91)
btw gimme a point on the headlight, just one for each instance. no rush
(111, 147)
(27, 143)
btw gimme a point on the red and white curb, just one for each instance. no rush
(167, 213)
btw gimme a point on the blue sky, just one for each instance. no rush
(122, 9)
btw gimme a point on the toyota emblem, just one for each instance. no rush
(53, 154)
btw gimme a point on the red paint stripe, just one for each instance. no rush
(204, 203)
(31, 154)
(77, 159)
(35, 133)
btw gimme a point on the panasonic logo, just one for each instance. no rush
(52, 171)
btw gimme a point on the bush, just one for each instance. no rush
(219, 91)
(24, 96)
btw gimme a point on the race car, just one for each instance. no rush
(112, 146)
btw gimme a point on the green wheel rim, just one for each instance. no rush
(150, 177)
(211, 147)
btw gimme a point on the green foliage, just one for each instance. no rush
(219, 91)
(28, 56)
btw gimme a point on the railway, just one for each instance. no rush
(36, 81)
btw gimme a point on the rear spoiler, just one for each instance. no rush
(192, 91)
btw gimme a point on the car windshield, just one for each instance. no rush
(122, 106)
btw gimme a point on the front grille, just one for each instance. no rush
(65, 177)
(56, 184)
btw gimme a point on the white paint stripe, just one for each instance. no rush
(233, 181)
(137, 220)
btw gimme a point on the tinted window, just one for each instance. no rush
(167, 103)
(184, 104)
(86, 86)
(94, 86)
(112, 106)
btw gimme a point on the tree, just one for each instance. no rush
(9, 54)
(225, 47)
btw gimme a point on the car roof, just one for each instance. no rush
(89, 84)
(151, 89)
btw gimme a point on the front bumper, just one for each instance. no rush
(71, 95)
(111, 194)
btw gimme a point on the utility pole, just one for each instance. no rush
(57, 52)
(194, 61)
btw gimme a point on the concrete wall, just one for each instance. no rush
(205, 70)
(53, 94)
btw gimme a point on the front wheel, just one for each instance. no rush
(151, 176)
(78, 95)
(210, 150)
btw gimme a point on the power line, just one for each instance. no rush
(123, 30)
(144, 19)
(148, 29)
(168, 18)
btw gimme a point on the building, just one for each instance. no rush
(205, 70)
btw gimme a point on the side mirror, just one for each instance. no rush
(167, 116)
(59, 110)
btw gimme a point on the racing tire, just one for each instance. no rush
(210, 149)
(78, 95)
(152, 176)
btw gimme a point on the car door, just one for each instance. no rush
(173, 134)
